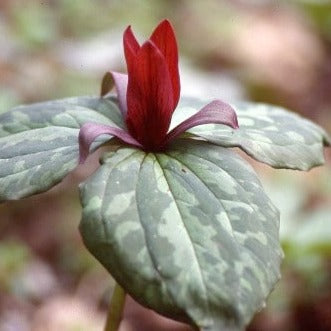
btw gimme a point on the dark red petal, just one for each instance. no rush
(149, 97)
(90, 131)
(131, 47)
(216, 112)
(165, 40)
(120, 81)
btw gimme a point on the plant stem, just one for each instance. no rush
(115, 309)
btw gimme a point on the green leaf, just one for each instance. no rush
(267, 133)
(39, 142)
(189, 233)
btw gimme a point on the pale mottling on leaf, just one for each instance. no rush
(245, 121)
(259, 236)
(225, 222)
(228, 204)
(94, 204)
(19, 166)
(125, 228)
(120, 203)
(260, 137)
(271, 128)
(295, 136)
(246, 285)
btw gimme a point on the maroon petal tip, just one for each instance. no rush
(165, 40)
(131, 47)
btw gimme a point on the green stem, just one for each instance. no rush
(115, 309)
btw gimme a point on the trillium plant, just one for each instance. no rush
(175, 215)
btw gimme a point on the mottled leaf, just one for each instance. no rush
(267, 133)
(189, 233)
(39, 142)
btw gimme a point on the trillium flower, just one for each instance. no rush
(148, 95)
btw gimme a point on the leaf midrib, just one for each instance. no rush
(202, 279)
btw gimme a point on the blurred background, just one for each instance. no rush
(261, 50)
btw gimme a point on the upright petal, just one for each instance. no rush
(149, 97)
(165, 40)
(131, 47)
